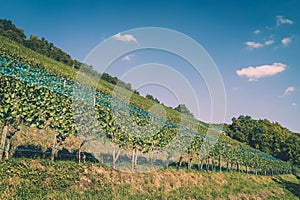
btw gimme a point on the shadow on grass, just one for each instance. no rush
(35, 152)
(291, 186)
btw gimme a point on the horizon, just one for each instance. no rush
(255, 54)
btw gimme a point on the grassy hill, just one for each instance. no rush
(35, 179)
(23, 178)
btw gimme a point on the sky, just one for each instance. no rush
(254, 44)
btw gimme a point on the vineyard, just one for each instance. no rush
(129, 138)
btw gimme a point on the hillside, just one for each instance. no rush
(38, 124)
(19, 53)
(34, 179)
(49, 73)
(53, 59)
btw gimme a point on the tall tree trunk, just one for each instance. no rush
(2, 141)
(227, 165)
(151, 154)
(202, 162)
(54, 149)
(79, 150)
(133, 159)
(11, 132)
(79, 155)
(116, 155)
(180, 162)
(52, 156)
(220, 165)
(207, 164)
(199, 164)
(7, 148)
(213, 163)
(168, 161)
(189, 161)
(232, 165)
(83, 157)
(238, 166)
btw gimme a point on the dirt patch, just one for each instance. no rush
(28, 136)
(218, 179)
(36, 164)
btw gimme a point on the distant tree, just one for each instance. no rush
(149, 96)
(136, 92)
(183, 109)
(109, 78)
(128, 86)
(265, 136)
(8, 29)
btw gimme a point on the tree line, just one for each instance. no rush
(42, 46)
(266, 136)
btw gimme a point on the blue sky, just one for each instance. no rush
(236, 34)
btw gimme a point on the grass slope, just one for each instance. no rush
(34, 179)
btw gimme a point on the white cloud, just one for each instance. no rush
(282, 20)
(286, 41)
(254, 45)
(125, 38)
(127, 57)
(294, 104)
(254, 73)
(256, 31)
(289, 90)
(269, 42)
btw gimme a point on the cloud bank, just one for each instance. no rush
(257, 45)
(254, 45)
(255, 73)
(269, 42)
(125, 38)
(282, 20)
(286, 41)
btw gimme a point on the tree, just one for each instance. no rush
(267, 137)
(8, 29)
(149, 96)
(184, 110)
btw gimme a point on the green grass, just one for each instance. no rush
(35, 179)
